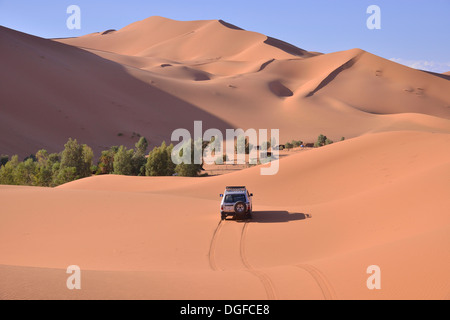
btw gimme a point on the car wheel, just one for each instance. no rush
(240, 208)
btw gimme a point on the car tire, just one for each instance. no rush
(223, 216)
(240, 208)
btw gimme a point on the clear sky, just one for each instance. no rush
(413, 32)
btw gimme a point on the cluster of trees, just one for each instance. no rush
(47, 170)
(322, 140)
(76, 161)
(294, 144)
(123, 161)
(159, 162)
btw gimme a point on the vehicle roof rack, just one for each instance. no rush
(236, 188)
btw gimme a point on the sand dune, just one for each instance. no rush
(52, 91)
(189, 40)
(380, 198)
(158, 75)
(328, 215)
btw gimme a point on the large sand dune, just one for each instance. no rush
(381, 199)
(158, 75)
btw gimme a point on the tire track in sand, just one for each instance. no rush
(264, 278)
(212, 247)
(325, 286)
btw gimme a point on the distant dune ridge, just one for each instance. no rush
(378, 198)
(157, 75)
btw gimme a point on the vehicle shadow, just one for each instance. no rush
(277, 216)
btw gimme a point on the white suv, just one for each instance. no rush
(236, 202)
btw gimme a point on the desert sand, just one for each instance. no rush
(328, 215)
(378, 198)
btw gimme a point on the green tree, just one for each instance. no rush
(170, 165)
(123, 162)
(87, 162)
(141, 146)
(54, 163)
(191, 169)
(106, 161)
(139, 160)
(320, 141)
(289, 145)
(43, 175)
(159, 161)
(7, 171)
(25, 173)
(54, 157)
(64, 175)
(188, 170)
(42, 156)
(77, 156)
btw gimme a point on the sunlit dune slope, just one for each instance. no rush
(381, 199)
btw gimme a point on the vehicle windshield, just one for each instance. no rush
(233, 198)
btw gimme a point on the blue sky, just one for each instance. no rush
(413, 32)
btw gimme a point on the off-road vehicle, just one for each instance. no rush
(236, 202)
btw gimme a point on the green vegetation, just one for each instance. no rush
(49, 170)
(76, 162)
(159, 162)
(188, 170)
(139, 160)
(76, 159)
(243, 142)
(322, 141)
(123, 162)
(192, 169)
(106, 161)
(293, 144)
